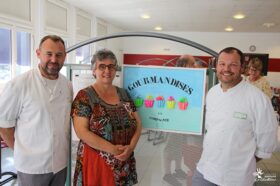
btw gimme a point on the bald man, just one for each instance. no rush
(187, 61)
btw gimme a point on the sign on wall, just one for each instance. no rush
(167, 98)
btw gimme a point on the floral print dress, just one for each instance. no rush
(263, 85)
(113, 123)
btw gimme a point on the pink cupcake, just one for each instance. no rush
(149, 102)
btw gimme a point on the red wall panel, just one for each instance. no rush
(274, 65)
(170, 60)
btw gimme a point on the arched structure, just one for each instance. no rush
(145, 34)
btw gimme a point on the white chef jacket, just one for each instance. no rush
(241, 124)
(41, 119)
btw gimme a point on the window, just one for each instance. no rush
(5, 55)
(9, 66)
(23, 52)
(83, 55)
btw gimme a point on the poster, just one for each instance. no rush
(167, 98)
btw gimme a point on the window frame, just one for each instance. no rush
(14, 28)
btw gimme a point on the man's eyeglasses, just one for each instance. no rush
(111, 67)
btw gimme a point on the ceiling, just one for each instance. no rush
(186, 15)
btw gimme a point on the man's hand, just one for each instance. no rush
(8, 135)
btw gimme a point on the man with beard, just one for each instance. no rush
(241, 127)
(35, 118)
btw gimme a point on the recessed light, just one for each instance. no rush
(268, 25)
(228, 29)
(239, 16)
(158, 28)
(145, 16)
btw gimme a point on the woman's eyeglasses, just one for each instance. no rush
(252, 69)
(111, 67)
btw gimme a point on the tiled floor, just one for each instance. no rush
(7, 165)
(271, 170)
(150, 164)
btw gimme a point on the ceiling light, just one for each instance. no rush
(239, 16)
(228, 29)
(145, 16)
(158, 28)
(268, 25)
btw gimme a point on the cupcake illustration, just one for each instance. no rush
(138, 101)
(160, 101)
(170, 102)
(149, 101)
(183, 104)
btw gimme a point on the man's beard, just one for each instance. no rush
(54, 70)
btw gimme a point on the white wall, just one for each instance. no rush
(274, 79)
(265, 43)
(77, 24)
(116, 44)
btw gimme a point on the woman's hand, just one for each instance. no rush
(117, 150)
(128, 149)
(126, 152)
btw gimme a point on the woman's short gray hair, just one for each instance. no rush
(101, 55)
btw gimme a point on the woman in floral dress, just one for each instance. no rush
(106, 121)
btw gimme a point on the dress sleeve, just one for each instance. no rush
(266, 88)
(126, 97)
(133, 107)
(81, 106)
